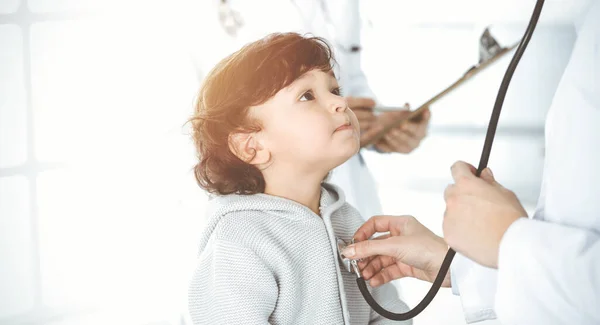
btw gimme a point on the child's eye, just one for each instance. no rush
(307, 96)
(337, 91)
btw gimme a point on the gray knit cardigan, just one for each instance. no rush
(269, 260)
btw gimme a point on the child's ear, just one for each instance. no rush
(248, 148)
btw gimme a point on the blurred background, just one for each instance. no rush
(99, 210)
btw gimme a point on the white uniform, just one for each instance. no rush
(549, 266)
(338, 21)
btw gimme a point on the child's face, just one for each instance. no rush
(308, 125)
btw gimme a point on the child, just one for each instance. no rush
(269, 126)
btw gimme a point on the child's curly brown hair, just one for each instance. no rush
(246, 78)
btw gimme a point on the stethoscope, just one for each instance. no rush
(352, 265)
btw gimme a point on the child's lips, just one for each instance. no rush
(347, 126)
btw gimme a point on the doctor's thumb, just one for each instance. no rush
(488, 176)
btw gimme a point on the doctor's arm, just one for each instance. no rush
(231, 285)
(548, 274)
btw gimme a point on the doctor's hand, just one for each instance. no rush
(478, 213)
(406, 137)
(410, 250)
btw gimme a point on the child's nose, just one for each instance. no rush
(338, 103)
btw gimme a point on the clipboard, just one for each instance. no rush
(486, 60)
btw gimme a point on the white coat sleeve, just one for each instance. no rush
(548, 274)
(231, 285)
(476, 286)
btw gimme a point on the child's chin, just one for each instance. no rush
(346, 155)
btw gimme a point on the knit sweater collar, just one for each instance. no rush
(331, 199)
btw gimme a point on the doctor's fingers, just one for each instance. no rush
(394, 246)
(417, 131)
(488, 176)
(462, 171)
(401, 270)
(425, 117)
(393, 146)
(466, 181)
(457, 192)
(365, 261)
(471, 186)
(393, 224)
(401, 141)
(390, 273)
(376, 264)
(416, 128)
(383, 146)
(449, 192)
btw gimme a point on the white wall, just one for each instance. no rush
(99, 211)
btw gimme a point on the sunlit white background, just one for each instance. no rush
(99, 211)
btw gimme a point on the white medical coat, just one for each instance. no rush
(549, 265)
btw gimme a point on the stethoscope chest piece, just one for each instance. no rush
(350, 265)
